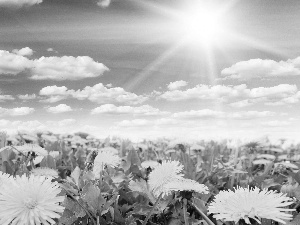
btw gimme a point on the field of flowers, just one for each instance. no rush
(79, 179)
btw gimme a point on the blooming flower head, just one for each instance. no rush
(38, 150)
(4, 178)
(245, 203)
(163, 174)
(103, 159)
(185, 185)
(44, 171)
(30, 200)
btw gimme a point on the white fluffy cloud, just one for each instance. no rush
(20, 111)
(134, 123)
(4, 98)
(13, 64)
(205, 92)
(240, 95)
(145, 110)
(19, 3)
(27, 97)
(52, 68)
(212, 114)
(177, 85)
(97, 93)
(66, 68)
(61, 108)
(103, 3)
(23, 51)
(255, 68)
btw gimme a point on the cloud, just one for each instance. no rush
(97, 93)
(50, 49)
(66, 68)
(23, 51)
(54, 90)
(20, 111)
(212, 114)
(50, 68)
(145, 110)
(13, 64)
(241, 95)
(59, 109)
(19, 3)
(55, 93)
(103, 3)
(134, 123)
(27, 97)
(4, 98)
(199, 114)
(205, 92)
(275, 123)
(176, 85)
(255, 68)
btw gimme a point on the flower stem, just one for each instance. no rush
(150, 213)
(202, 214)
(184, 212)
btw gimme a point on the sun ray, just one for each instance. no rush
(153, 66)
(252, 42)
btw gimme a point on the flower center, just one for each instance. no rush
(30, 203)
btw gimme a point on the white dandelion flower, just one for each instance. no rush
(105, 159)
(4, 178)
(38, 150)
(30, 200)
(44, 171)
(163, 174)
(185, 185)
(149, 163)
(245, 203)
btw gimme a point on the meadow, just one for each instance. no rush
(79, 179)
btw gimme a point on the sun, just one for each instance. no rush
(202, 27)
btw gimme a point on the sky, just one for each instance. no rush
(149, 68)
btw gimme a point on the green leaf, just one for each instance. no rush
(48, 161)
(141, 187)
(92, 196)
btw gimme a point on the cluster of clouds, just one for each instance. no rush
(19, 3)
(24, 3)
(145, 110)
(262, 68)
(238, 96)
(52, 68)
(98, 93)
(19, 111)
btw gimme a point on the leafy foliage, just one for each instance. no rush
(122, 195)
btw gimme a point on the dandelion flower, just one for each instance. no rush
(30, 200)
(44, 171)
(149, 163)
(105, 158)
(245, 203)
(4, 178)
(163, 174)
(185, 185)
